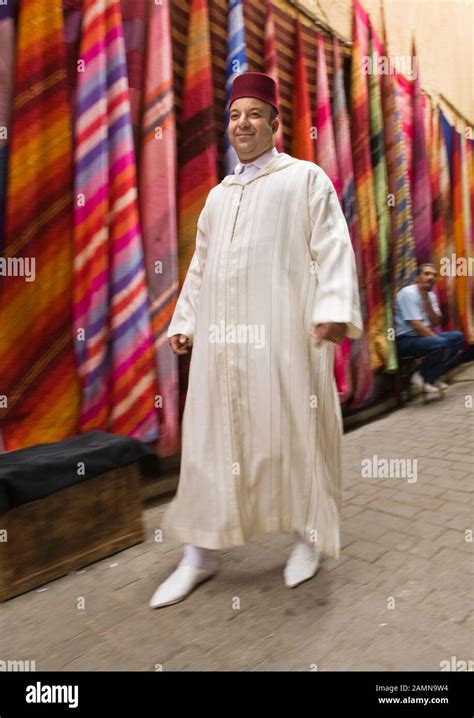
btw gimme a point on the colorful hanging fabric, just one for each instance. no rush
(7, 33)
(470, 251)
(467, 225)
(460, 284)
(302, 143)
(236, 64)
(111, 314)
(379, 169)
(403, 241)
(405, 98)
(198, 146)
(450, 321)
(362, 376)
(364, 187)
(440, 241)
(326, 158)
(421, 190)
(157, 193)
(136, 16)
(40, 390)
(271, 68)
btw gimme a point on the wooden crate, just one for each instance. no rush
(69, 529)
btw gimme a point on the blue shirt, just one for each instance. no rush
(409, 306)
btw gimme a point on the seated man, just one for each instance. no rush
(416, 314)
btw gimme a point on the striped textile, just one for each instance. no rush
(136, 17)
(364, 188)
(326, 158)
(460, 284)
(470, 168)
(467, 225)
(39, 376)
(7, 49)
(403, 240)
(405, 89)
(236, 65)
(440, 240)
(111, 314)
(450, 321)
(198, 148)
(362, 376)
(157, 194)
(302, 142)
(421, 190)
(379, 169)
(271, 68)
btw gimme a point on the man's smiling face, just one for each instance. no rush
(251, 129)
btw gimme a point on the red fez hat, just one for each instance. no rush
(255, 84)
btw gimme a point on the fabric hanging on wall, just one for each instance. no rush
(421, 191)
(136, 15)
(440, 244)
(450, 320)
(379, 169)
(39, 376)
(470, 170)
(364, 187)
(7, 53)
(460, 284)
(405, 96)
(111, 313)
(236, 65)
(467, 226)
(271, 68)
(198, 147)
(302, 144)
(362, 376)
(157, 195)
(403, 253)
(326, 158)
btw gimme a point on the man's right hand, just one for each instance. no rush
(180, 344)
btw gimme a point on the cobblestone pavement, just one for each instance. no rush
(400, 598)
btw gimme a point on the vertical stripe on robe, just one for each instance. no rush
(403, 240)
(39, 375)
(236, 65)
(421, 191)
(157, 194)
(364, 188)
(111, 313)
(198, 147)
(379, 169)
(326, 158)
(362, 376)
(302, 144)
(440, 246)
(450, 321)
(7, 35)
(271, 68)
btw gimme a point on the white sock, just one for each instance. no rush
(198, 557)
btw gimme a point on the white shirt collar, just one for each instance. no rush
(259, 162)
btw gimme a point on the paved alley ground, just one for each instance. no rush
(400, 598)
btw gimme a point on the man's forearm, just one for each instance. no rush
(422, 329)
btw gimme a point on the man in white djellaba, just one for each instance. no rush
(270, 290)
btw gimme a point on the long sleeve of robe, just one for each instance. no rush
(262, 423)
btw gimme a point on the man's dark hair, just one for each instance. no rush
(422, 266)
(273, 114)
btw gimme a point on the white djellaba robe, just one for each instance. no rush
(262, 425)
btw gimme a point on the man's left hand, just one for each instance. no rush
(330, 332)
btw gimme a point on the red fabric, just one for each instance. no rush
(255, 84)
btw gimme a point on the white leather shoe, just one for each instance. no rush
(179, 585)
(441, 385)
(302, 565)
(430, 389)
(417, 380)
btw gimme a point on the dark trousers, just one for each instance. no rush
(441, 353)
